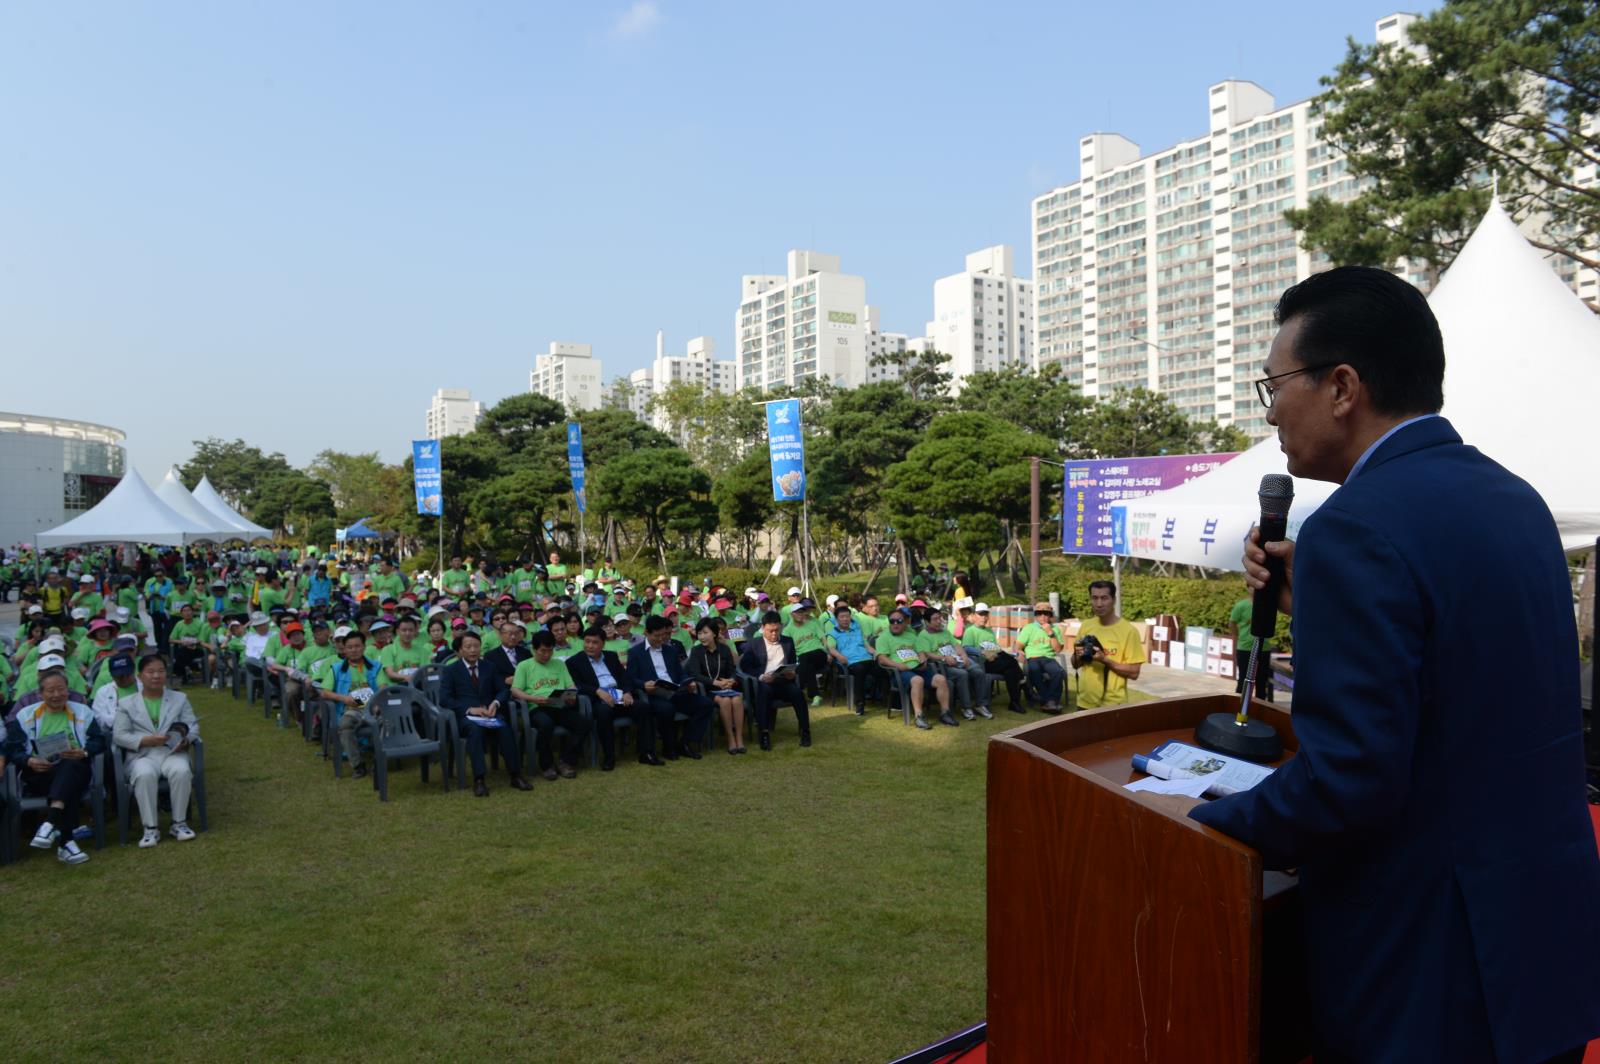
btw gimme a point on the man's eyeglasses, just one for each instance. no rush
(1266, 391)
(897, 620)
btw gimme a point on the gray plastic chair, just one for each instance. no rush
(124, 788)
(396, 736)
(14, 804)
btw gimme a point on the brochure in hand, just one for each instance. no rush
(485, 722)
(51, 747)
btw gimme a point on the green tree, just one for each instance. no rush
(660, 486)
(743, 495)
(290, 497)
(716, 428)
(924, 374)
(522, 422)
(1045, 403)
(1137, 422)
(1508, 89)
(356, 481)
(956, 487)
(237, 470)
(858, 437)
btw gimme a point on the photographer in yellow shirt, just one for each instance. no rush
(1108, 653)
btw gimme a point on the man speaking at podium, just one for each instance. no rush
(1447, 863)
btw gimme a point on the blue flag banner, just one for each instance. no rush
(427, 477)
(575, 464)
(787, 451)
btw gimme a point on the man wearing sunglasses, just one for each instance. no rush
(900, 651)
(1442, 922)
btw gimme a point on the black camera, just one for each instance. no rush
(1085, 650)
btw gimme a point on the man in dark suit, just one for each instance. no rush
(605, 681)
(665, 690)
(468, 689)
(503, 660)
(1448, 871)
(772, 661)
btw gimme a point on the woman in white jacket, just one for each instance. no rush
(156, 725)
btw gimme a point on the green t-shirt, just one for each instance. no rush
(566, 650)
(311, 656)
(282, 653)
(128, 599)
(270, 597)
(152, 706)
(392, 585)
(524, 585)
(1240, 615)
(980, 638)
(396, 657)
(61, 723)
(619, 647)
(902, 648)
(941, 645)
(456, 582)
(191, 629)
(807, 637)
(90, 600)
(176, 600)
(870, 626)
(1034, 641)
(557, 571)
(539, 680)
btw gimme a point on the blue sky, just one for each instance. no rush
(290, 222)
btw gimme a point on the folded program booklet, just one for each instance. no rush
(1224, 775)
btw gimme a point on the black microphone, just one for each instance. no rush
(1276, 493)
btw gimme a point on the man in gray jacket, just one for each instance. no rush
(156, 725)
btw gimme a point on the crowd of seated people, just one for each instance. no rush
(586, 653)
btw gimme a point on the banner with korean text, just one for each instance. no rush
(1090, 487)
(786, 450)
(575, 464)
(426, 475)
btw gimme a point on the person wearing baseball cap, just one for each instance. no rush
(811, 654)
(621, 639)
(795, 595)
(88, 596)
(980, 640)
(1039, 642)
(120, 681)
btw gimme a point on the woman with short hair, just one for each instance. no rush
(53, 743)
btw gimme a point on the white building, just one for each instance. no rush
(698, 366)
(452, 413)
(569, 374)
(809, 322)
(51, 470)
(983, 316)
(1162, 270)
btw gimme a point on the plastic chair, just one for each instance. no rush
(14, 804)
(893, 694)
(124, 788)
(271, 691)
(396, 736)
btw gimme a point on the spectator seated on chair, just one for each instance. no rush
(258, 639)
(123, 680)
(402, 658)
(600, 675)
(657, 669)
(1039, 642)
(545, 684)
(53, 743)
(805, 629)
(350, 682)
(187, 639)
(467, 689)
(156, 725)
(771, 660)
(980, 640)
(712, 665)
(847, 645)
(900, 651)
(964, 671)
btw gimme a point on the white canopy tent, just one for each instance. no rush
(1522, 367)
(130, 513)
(172, 492)
(212, 500)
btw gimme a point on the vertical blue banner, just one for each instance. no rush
(575, 463)
(787, 451)
(427, 478)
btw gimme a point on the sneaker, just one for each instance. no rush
(949, 718)
(922, 722)
(152, 836)
(83, 833)
(45, 837)
(181, 831)
(70, 854)
(816, 700)
(983, 711)
(967, 714)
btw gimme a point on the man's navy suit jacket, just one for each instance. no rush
(1436, 808)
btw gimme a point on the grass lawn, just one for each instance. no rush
(822, 904)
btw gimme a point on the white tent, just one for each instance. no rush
(172, 492)
(1522, 367)
(130, 513)
(208, 497)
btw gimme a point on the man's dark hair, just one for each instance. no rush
(541, 638)
(148, 658)
(771, 617)
(456, 643)
(598, 632)
(1376, 323)
(1108, 585)
(656, 623)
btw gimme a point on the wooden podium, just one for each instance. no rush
(1118, 928)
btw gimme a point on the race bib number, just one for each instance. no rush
(362, 694)
(948, 650)
(906, 654)
(990, 644)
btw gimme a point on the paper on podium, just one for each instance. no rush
(1189, 786)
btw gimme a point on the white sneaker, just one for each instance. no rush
(70, 854)
(45, 837)
(151, 837)
(181, 831)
